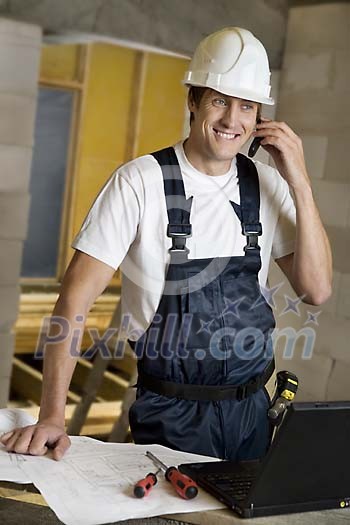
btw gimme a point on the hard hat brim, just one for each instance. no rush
(238, 93)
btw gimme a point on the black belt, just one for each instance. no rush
(206, 392)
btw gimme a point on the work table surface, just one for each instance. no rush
(23, 504)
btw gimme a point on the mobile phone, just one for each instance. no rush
(255, 144)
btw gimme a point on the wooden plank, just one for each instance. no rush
(22, 495)
(27, 382)
(100, 420)
(35, 306)
(113, 387)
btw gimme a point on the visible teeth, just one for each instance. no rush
(228, 136)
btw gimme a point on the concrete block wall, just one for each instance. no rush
(314, 100)
(20, 46)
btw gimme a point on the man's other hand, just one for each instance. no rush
(37, 439)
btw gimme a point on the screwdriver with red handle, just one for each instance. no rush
(144, 485)
(184, 486)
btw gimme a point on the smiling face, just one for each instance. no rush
(220, 126)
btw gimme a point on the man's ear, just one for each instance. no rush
(190, 102)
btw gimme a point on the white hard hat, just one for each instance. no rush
(233, 62)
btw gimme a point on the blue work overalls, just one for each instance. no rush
(207, 354)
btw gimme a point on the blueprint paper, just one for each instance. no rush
(93, 483)
(10, 467)
(10, 464)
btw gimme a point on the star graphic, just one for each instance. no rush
(205, 326)
(267, 294)
(312, 317)
(292, 304)
(231, 307)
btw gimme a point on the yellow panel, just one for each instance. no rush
(163, 104)
(108, 98)
(105, 121)
(60, 62)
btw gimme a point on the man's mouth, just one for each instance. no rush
(227, 136)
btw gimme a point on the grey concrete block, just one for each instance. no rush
(313, 374)
(333, 201)
(339, 385)
(343, 304)
(5, 382)
(16, 31)
(8, 307)
(315, 151)
(332, 337)
(312, 112)
(306, 70)
(341, 71)
(17, 119)
(15, 165)
(319, 27)
(10, 262)
(14, 210)
(7, 342)
(337, 161)
(339, 239)
(19, 59)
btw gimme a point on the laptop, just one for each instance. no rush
(306, 468)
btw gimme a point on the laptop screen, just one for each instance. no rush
(309, 459)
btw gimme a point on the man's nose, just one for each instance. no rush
(231, 116)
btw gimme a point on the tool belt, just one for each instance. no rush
(205, 392)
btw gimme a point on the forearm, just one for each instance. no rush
(312, 261)
(309, 270)
(59, 362)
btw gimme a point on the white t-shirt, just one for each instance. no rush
(126, 227)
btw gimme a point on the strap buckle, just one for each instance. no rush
(247, 389)
(178, 234)
(252, 231)
(241, 392)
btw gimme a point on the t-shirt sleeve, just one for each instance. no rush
(285, 232)
(111, 224)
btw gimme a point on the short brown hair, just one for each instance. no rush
(196, 93)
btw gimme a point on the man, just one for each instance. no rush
(173, 222)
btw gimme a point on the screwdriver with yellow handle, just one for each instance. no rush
(184, 485)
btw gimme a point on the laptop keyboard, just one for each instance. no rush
(234, 485)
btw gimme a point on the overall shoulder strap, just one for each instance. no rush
(178, 208)
(249, 191)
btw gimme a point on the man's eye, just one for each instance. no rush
(219, 102)
(247, 106)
